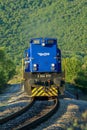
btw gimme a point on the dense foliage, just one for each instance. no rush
(21, 20)
(76, 71)
(7, 68)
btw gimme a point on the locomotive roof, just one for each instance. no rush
(46, 38)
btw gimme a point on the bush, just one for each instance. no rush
(7, 68)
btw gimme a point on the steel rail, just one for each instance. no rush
(70, 95)
(37, 121)
(18, 113)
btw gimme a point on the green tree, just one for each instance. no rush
(81, 80)
(72, 67)
(7, 68)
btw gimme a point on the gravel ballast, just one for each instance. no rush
(69, 115)
(14, 101)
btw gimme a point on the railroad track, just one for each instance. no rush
(43, 115)
(31, 116)
(16, 114)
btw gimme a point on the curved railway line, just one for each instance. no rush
(35, 117)
(37, 111)
(40, 117)
(18, 113)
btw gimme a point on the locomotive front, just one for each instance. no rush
(42, 68)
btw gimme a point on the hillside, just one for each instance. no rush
(23, 19)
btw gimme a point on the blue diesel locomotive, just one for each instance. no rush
(42, 74)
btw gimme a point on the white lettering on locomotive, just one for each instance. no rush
(43, 54)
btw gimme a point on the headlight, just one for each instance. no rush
(35, 65)
(53, 65)
(35, 69)
(43, 44)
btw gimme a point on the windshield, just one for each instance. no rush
(51, 41)
(36, 41)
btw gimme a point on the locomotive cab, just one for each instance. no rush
(44, 56)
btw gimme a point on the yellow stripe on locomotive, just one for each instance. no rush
(44, 91)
